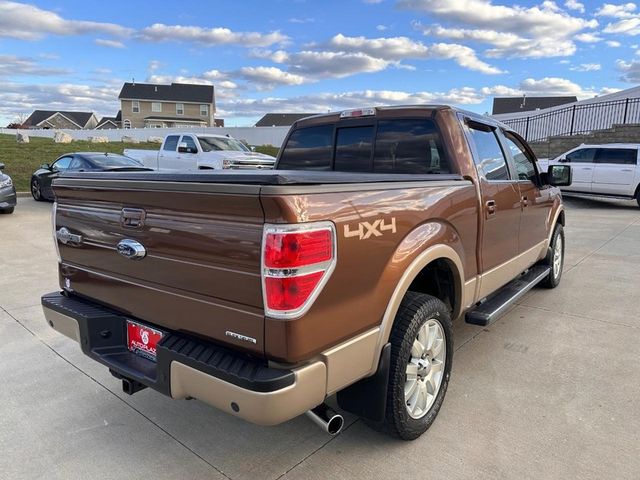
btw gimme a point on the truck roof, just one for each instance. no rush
(393, 110)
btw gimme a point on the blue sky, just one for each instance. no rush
(312, 56)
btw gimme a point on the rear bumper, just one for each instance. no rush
(189, 367)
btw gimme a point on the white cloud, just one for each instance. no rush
(588, 37)
(109, 43)
(627, 26)
(537, 20)
(395, 49)
(587, 67)
(624, 10)
(574, 5)
(28, 22)
(269, 77)
(613, 43)
(302, 20)
(381, 28)
(278, 56)
(159, 32)
(630, 70)
(14, 66)
(322, 64)
(555, 86)
(506, 44)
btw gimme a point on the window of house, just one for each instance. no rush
(490, 159)
(156, 107)
(126, 124)
(135, 106)
(179, 109)
(204, 110)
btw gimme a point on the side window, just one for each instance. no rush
(171, 143)
(77, 164)
(191, 144)
(620, 156)
(62, 164)
(308, 148)
(409, 146)
(583, 155)
(353, 149)
(525, 168)
(490, 160)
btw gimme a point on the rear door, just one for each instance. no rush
(615, 170)
(201, 271)
(168, 155)
(501, 207)
(582, 169)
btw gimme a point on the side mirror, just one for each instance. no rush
(253, 149)
(563, 160)
(1, 166)
(46, 166)
(559, 175)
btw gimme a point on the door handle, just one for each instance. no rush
(627, 170)
(132, 217)
(491, 207)
(587, 168)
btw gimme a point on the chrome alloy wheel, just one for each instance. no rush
(425, 369)
(557, 257)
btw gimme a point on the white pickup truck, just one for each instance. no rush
(605, 170)
(190, 151)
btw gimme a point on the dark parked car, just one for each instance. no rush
(78, 162)
(7, 192)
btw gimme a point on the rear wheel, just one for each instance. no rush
(36, 191)
(421, 358)
(638, 196)
(555, 259)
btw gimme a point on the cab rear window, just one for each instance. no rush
(396, 146)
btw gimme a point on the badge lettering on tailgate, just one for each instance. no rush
(367, 229)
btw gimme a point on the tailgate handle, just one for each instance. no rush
(132, 217)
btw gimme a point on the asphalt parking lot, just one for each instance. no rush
(549, 391)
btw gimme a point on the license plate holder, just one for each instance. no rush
(143, 340)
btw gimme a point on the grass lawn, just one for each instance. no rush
(22, 159)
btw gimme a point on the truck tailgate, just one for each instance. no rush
(201, 272)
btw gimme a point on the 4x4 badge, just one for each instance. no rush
(368, 229)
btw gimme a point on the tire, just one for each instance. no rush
(404, 417)
(557, 265)
(7, 210)
(36, 192)
(638, 196)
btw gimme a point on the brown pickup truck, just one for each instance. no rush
(339, 273)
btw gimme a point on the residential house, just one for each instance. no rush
(145, 105)
(110, 123)
(48, 119)
(281, 119)
(502, 105)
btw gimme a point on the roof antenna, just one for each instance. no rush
(133, 80)
(524, 100)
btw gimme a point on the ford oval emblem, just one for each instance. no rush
(131, 249)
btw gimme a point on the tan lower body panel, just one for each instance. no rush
(64, 324)
(262, 408)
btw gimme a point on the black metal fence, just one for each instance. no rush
(577, 119)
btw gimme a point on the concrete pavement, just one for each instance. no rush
(548, 391)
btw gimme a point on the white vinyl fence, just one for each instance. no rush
(252, 135)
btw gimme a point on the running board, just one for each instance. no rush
(496, 304)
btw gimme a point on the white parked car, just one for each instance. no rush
(190, 151)
(608, 170)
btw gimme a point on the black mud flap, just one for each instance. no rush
(368, 397)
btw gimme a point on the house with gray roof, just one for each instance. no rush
(146, 105)
(525, 103)
(48, 119)
(281, 119)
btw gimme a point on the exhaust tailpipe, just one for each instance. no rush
(328, 420)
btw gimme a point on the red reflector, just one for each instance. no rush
(297, 249)
(289, 293)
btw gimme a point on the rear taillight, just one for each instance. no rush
(297, 261)
(54, 212)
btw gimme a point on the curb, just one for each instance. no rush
(23, 194)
